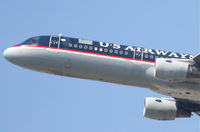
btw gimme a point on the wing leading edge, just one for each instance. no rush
(197, 59)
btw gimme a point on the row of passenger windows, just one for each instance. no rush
(152, 56)
(149, 56)
(106, 50)
(145, 55)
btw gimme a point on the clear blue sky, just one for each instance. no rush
(37, 102)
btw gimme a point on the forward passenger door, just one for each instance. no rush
(54, 44)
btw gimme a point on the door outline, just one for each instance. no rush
(54, 49)
(136, 56)
(51, 42)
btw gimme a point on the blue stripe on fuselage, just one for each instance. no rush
(118, 50)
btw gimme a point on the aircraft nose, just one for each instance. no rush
(11, 54)
(6, 53)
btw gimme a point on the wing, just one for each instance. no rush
(198, 113)
(197, 59)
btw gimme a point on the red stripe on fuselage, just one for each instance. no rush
(82, 52)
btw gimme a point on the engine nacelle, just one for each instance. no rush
(171, 69)
(163, 109)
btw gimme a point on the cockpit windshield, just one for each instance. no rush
(40, 40)
(32, 41)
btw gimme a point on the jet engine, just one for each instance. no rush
(164, 109)
(175, 70)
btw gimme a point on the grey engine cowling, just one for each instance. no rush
(163, 109)
(175, 70)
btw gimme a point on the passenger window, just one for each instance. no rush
(80, 46)
(100, 49)
(116, 51)
(90, 48)
(95, 48)
(105, 50)
(75, 45)
(85, 47)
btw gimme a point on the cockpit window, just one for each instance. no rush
(44, 41)
(32, 41)
(41, 41)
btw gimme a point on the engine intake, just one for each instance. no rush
(163, 109)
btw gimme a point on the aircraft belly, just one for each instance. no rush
(105, 69)
(85, 66)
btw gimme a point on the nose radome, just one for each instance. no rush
(11, 54)
(6, 53)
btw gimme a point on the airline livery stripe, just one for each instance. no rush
(85, 52)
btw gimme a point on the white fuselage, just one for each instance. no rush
(102, 68)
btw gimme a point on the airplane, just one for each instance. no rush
(169, 73)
